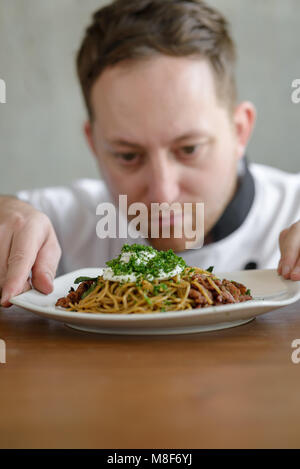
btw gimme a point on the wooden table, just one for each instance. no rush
(233, 388)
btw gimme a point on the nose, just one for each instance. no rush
(162, 178)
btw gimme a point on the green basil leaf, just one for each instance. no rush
(89, 290)
(84, 279)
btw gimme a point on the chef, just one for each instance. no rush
(165, 126)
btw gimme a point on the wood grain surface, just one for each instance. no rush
(236, 388)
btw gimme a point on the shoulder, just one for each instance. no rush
(87, 193)
(277, 191)
(90, 192)
(274, 176)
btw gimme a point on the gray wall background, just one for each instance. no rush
(41, 140)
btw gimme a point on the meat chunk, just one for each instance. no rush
(197, 297)
(74, 296)
(232, 289)
(229, 291)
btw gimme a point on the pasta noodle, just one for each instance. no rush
(193, 288)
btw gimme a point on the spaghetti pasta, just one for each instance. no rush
(190, 288)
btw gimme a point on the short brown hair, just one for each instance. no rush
(134, 29)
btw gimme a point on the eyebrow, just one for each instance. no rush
(192, 134)
(123, 143)
(126, 143)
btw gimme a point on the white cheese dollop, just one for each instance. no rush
(166, 275)
(108, 274)
(141, 257)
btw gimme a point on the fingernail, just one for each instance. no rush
(49, 288)
(286, 270)
(49, 276)
(4, 299)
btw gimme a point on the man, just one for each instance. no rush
(165, 126)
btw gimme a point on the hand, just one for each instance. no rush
(27, 243)
(289, 241)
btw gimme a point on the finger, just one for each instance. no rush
(289, 247)
(279, 268)
(6, 303)
(24, 248)
(295, 274)
(45, 266)
(5, 243)
(281, 238)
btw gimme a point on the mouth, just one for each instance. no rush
(166, 219)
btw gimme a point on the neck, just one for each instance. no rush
(237, 209)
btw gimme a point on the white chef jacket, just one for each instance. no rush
(72, 211)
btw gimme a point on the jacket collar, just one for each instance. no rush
(237, 209)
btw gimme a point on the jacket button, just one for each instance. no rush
(251, 266)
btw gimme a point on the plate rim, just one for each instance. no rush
(64, 314)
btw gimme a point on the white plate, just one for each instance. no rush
(268, 289)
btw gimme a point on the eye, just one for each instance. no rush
(128, 158)
(189, 150)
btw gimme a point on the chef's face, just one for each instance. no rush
(161, 134)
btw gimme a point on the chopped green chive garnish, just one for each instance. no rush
(158, 288)
(160, 262)
(148, 299)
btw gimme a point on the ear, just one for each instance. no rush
(88, 131)
(244, 121)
